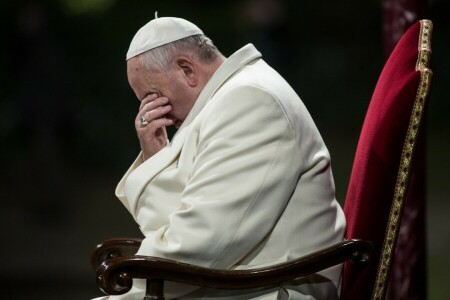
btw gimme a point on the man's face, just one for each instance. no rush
(168, 84)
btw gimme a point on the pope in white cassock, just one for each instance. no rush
(245, 182)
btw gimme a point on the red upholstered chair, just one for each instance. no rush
(373, 207)
(381, 171)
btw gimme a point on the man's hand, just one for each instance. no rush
(151, 124)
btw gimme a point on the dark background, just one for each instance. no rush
(66, 117)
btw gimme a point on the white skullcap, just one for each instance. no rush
(160, 31)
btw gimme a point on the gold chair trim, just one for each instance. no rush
(404, 172)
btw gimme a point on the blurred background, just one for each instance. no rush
(66, 117)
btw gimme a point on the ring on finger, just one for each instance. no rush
(144, 122)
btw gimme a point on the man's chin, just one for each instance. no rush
(178, 123)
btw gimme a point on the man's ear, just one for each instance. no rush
(189, 70)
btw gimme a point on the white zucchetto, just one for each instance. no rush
(160, 31)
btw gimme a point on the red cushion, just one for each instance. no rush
(374, 174)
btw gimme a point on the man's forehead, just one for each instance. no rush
(134, 64)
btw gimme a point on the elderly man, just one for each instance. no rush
(246, 180)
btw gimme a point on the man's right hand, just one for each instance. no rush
(151, 124)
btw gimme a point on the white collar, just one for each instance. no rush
(230, 66)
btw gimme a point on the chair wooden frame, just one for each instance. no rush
(116, 266)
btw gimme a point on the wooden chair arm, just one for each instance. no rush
(115, 275)
(115, 247)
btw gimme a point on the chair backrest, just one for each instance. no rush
(384, 158)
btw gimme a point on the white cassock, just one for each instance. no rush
(246, 182)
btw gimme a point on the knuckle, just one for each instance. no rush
(148, 105)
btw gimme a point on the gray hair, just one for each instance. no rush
(195, 46)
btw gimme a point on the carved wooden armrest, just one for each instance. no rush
(115, 275)
(115, 247)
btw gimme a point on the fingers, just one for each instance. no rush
(152, 115)
(148, 99)
(148, 105)
(151, 109)
(151, 124)
(158, 123)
